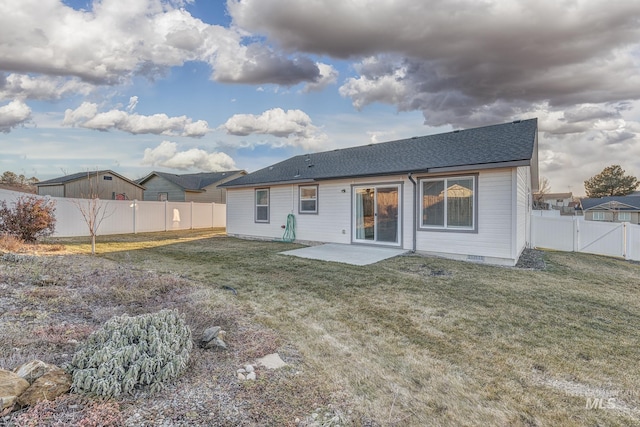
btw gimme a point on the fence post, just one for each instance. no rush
(576, 234)
(213, 208)
(166, 208)
(192, 215)
(625, 250)
(135, 208)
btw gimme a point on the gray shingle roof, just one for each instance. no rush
(81, 175)
(511, 142)
(622, 203)
(192, 181)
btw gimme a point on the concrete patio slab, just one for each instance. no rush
(348, 254)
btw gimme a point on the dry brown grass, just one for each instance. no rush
(50, 304)
(416, 341)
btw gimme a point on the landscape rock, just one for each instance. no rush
(49, 386)
(212, 338)
(219, 343)
(11, 386)
(271, 361)
(241, 376)
(251, 376)
(249, 368)
(33, 370)
(210, 334)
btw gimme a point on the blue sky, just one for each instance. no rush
(185, 86)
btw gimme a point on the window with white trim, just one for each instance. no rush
(598, 216)
(308, 199)
(262, 205)
(624, 216)
(448, 203)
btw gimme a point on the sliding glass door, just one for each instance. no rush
(376, 214)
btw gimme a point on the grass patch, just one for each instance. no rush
(467, 345)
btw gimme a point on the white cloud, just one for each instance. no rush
(464, 63)
(388, 88)
(41, 88)
(167, 155)
(328, 76)
(293, 127)
(13, 114)
(112, 41)
(87, 116)
(133, 102)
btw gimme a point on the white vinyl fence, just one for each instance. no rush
(130, 216)
(574, 234)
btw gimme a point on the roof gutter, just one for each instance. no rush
(415, 212)
(266, 184)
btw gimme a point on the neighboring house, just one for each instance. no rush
(555, 200)
(562, 202)
(612, 209)
(464, 194)
(194, 187)
(104, 184)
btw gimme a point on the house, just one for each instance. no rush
(562, 202)
(194, 187)
(612, 209)
(464, 194)
(554, 200)
(105, 184)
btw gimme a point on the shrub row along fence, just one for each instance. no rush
(129, 216)
(574, 234)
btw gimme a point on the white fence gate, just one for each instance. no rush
(131, 216)
(574, 234)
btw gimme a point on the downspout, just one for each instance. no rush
(415, 211)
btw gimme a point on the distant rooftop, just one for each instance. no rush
(192, 181)
(621, 203)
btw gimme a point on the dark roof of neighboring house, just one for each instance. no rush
(82, 175)
(192, 181)
(504, 144)
(619, 203)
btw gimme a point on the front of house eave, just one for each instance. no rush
(625, 208)
(430, 171)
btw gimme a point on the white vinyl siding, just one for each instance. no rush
(522, 209)
(495, 239)
(494, 229)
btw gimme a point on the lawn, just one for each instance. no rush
(416, 341)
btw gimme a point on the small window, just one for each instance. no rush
(448, 203)
(624, 216)
(163, 197)
(262, 205)
(308, 199)
(598, 216)
(107, 178)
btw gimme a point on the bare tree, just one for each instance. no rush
(544, 187)
(93, 210)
